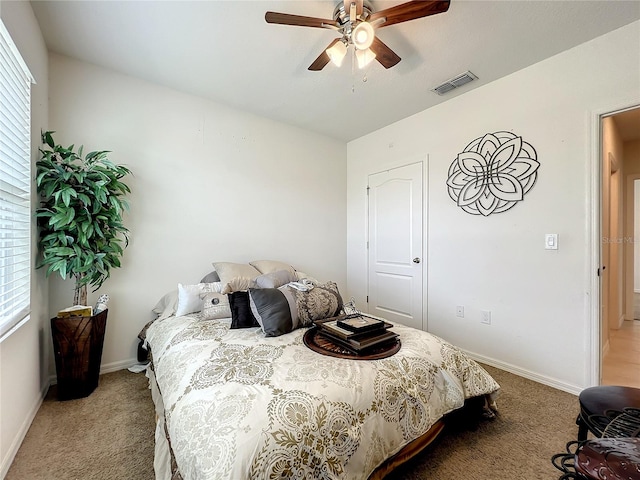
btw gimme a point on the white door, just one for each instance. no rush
(395, 245)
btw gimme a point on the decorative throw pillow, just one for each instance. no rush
(269, 266)
(190, 296)
(241, 316)
(271, 309)
(235, 276)
(323, 301)
(210, 277)
(238, 284)
(229, 270)
(215, 305)
(275, 279)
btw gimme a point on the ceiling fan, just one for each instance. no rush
(356, 22)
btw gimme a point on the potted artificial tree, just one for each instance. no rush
(81, 235)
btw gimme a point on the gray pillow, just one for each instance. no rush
(275, 279)
(210, 277)
(271, 309)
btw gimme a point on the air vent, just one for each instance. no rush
(455, 82)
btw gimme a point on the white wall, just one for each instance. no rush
(24, 354)
(210, 184)
(636, 236)
(540, 299)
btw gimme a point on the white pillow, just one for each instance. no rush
(190, 296)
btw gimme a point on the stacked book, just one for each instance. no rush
(76, 311)
(358, 332)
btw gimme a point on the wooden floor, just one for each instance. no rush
(621, 365)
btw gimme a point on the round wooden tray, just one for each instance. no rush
(321, 344)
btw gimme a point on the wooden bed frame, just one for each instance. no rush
(408, 452)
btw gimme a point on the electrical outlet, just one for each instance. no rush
(460, 311)
(486, 317)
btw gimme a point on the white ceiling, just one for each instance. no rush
(225, 51)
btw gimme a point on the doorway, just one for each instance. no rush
(395, 245)
(620, 248)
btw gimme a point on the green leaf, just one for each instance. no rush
(84, 199)
(63, 251)
(48, 139)
(79, 218)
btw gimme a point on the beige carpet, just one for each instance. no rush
(109, 435)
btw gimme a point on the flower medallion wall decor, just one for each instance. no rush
(492, 173)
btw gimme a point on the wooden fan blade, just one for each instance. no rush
(321, 62)
(387, 57)
(299, 20)
(359, 7)
(410, 11)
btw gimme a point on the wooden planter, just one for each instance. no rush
(77, 343)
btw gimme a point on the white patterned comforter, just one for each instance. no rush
(241, 406)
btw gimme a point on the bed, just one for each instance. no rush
(232, 403)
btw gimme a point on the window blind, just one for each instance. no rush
(15, 185)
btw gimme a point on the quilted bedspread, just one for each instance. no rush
(239, 406)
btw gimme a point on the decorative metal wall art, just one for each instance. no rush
(492, 173)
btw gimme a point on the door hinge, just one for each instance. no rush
(367, 245)
(367, 189)
(367, 298)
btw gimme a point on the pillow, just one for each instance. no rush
(275, 279)
(190, 296)
(269, 266)
(271, 309)
(238, 284)
(214, 306)
(241, 316)
(166, 306)
(282, 310)
(302, 276)
(228, 271)
(210, 277)
(323, 301)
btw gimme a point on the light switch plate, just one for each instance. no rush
(551, 241)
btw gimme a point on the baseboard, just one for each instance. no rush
(545, 380)
(107, 368)
(116, 366)
(24, 428)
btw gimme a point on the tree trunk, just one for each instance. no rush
(80, 293)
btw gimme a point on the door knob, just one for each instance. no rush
(416, 260)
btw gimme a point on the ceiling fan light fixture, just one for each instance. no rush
(363, 35)
(337, 52)
(365, 57)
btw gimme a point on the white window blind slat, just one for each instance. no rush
(15, 186)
